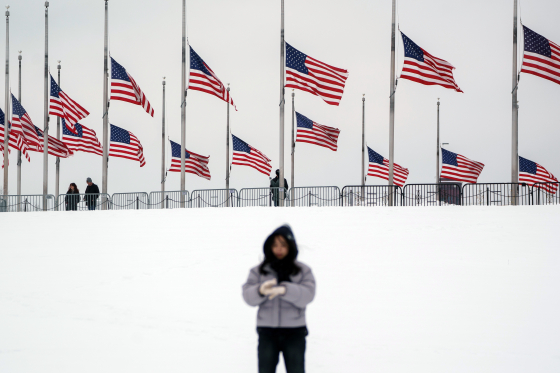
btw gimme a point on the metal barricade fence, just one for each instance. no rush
(497, 194)
(83, 202)
(314, 196)
(26, 203)
(169, 200)
(371, 195)
(546, 193)
(443, 194)
(213, 198)
(130, 201)
(265, 197)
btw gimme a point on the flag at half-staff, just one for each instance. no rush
(421, 67)
(85, 140)
(124, 144)
(533, 174)
(314, 133)
(460, 168)
(56, 147)
(202, 78)
(124, 88)
(63, 106)
(194, 163)
(245, 155)
(16, 140)
(23, 125)
(310, 75)
(379, 167)
(541, 56)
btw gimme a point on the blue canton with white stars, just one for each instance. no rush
(528, 166)
(240, 145)
(176, 150)
(39, 133)
(449, 158)
(197, 63)
(374, 157)
(118, 72)
(411, 49)
(295, 59)
(303, 121)
(66, 131)
(1, 117)
(119, 135)
(17, 109)
(536, 43)
(55, 89)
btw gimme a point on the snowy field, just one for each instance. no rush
(420, 289)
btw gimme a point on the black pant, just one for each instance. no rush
(289, 341)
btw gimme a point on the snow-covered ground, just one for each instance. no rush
(420, 289)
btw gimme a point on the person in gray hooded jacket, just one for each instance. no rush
(281, 287)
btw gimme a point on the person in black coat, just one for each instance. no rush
(92, 194)
(275, 184)
(72, 198)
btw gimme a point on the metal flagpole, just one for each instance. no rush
(514, 107)
(57, 180)
(163, 145)
(7, 103)
(46, 115)
(282, 63)
(438, 146)
(392, 104)
(363, 183)
(293, 142)
(105, 164)
(183, 107)
(227, 153)
(19, 151)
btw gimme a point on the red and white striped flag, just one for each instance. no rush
(24, 127)
(84, 141)
(124, 88)
(56, 147)
(379, 167)
(458, 167)
(315, 133)
(245, 155)
(421, 67)
(124, 144)
(541, 56)
(15, 141)
(202, 78)
(313, 76)
(194, 163)
(533, 173)
(63, 106)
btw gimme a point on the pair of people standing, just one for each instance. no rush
(281, 287)
(73, 196)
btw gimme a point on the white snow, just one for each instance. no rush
(420, 289)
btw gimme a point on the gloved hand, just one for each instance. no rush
(275, 291)
(266, 286)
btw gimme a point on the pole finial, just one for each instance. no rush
(163, 83)
(7, 10)
(228, 87)
(46, 4)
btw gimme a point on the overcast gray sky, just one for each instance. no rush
(239, 40)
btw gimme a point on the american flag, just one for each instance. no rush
(63, 106)
(531, 173)
(56, 147)
(313, 76)
(125, 145)
(15, 141)
(379, 167)
(194, 163)
(421, 67)
(541, 57)
(23, 125)
(317, 134)
(85, 140)
(458, 167)
(202, 78)
(124, 88)
(245, 155)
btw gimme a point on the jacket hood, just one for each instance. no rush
(286, 232)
